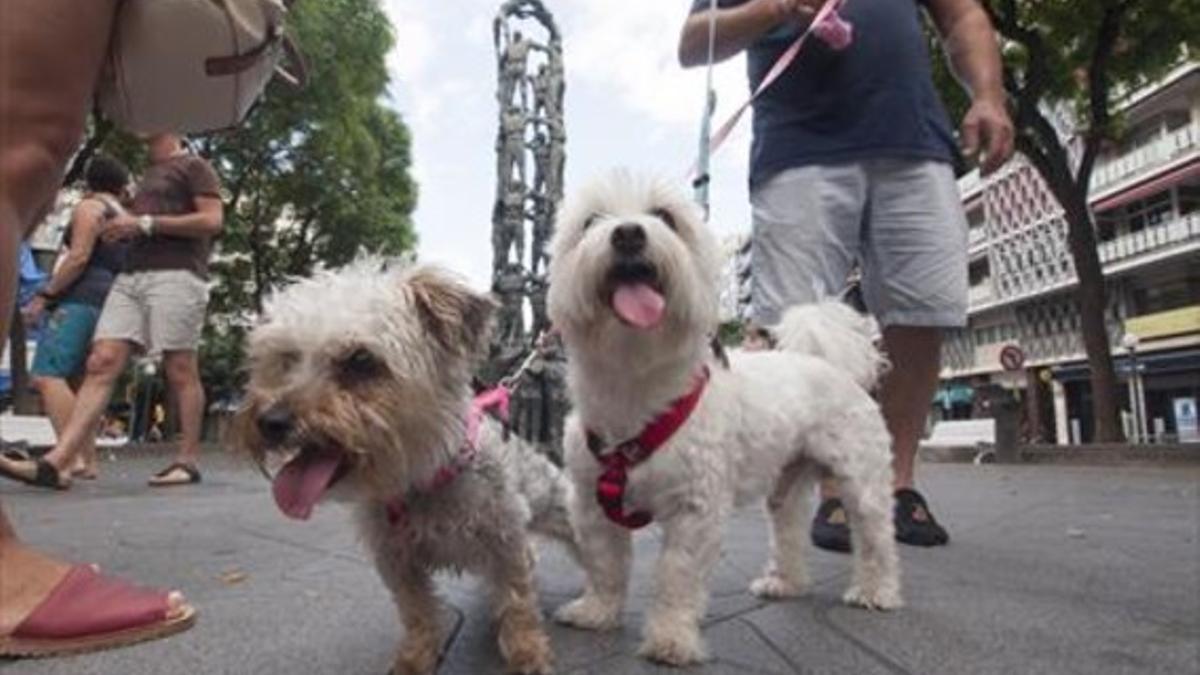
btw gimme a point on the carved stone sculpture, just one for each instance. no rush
(530, 134)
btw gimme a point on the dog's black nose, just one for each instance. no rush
(629, 239)
(275, 423)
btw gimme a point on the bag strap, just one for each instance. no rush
(238, 63)
(295, 74)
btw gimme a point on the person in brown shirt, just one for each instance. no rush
(157, 305)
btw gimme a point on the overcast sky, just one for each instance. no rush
(627, 103)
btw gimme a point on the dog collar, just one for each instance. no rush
(495, 399)
(610, 486)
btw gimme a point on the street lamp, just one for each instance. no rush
(1130, 342)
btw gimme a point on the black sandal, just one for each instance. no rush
(829, 528)
(44, 476)
(915, 524)
(17, 451)
(160, 479)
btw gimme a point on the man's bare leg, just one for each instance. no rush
(183, 376)
(905, 397)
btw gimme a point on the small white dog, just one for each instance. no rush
(633, 288)
(360, 389)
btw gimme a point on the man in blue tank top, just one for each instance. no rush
(851, 167)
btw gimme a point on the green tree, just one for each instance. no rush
(1083, 56)
(312, 178)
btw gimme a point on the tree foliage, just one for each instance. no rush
(312, 178)
(1083, 57)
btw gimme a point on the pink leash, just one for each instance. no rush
(829, 27)
(495, 398)
(498, 398)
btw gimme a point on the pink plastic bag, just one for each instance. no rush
(834, 30)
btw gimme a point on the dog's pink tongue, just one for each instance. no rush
(300, 483)
(639, 305)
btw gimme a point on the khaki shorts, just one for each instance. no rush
(160, 310)
(901, 220)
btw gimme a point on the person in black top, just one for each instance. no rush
(71, 300)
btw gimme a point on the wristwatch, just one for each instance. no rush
(146, 225)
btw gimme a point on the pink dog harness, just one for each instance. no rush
(496, 399)
(610, 486)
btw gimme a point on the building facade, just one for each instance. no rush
(1023, 331)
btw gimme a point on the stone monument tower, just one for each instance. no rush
(530, 152)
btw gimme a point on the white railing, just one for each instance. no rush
(1151, 238)
(1153, 153)
(976, 235)
(969, 183)
(979, 294)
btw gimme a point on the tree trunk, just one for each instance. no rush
(1092, 307)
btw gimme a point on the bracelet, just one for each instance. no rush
(146, 225)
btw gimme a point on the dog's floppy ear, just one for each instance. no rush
(456, 316)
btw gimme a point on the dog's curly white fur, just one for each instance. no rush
(375, 367)
(766, 427)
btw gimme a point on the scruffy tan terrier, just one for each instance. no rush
(360, 391)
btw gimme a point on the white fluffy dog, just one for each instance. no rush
(360, 390)
(633, 288)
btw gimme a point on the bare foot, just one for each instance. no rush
(26, 578)
(85, 470)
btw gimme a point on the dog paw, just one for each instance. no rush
(589, 613)
(532, 659)
(774, 587)
(417, 656)
(409, 666)
(674, 647)
(527, 652)
(875, 598)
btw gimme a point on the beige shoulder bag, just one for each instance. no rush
(191, 66)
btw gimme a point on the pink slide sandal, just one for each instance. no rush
(88, 611)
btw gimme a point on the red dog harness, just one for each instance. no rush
(495, 399)
(610, 486)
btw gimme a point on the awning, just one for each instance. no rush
(1161, 363)
(1151, 185)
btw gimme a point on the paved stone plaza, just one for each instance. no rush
(1052, 569)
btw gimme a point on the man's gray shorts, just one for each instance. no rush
(159, 311)
(902, 220)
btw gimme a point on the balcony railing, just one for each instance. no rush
(980, 294)
(1154, 153)
(1159, 236)
(976, 236)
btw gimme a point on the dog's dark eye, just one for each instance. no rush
(360, 365)
(590, 220)
(665, 216)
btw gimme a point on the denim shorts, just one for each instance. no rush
(63, 348)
